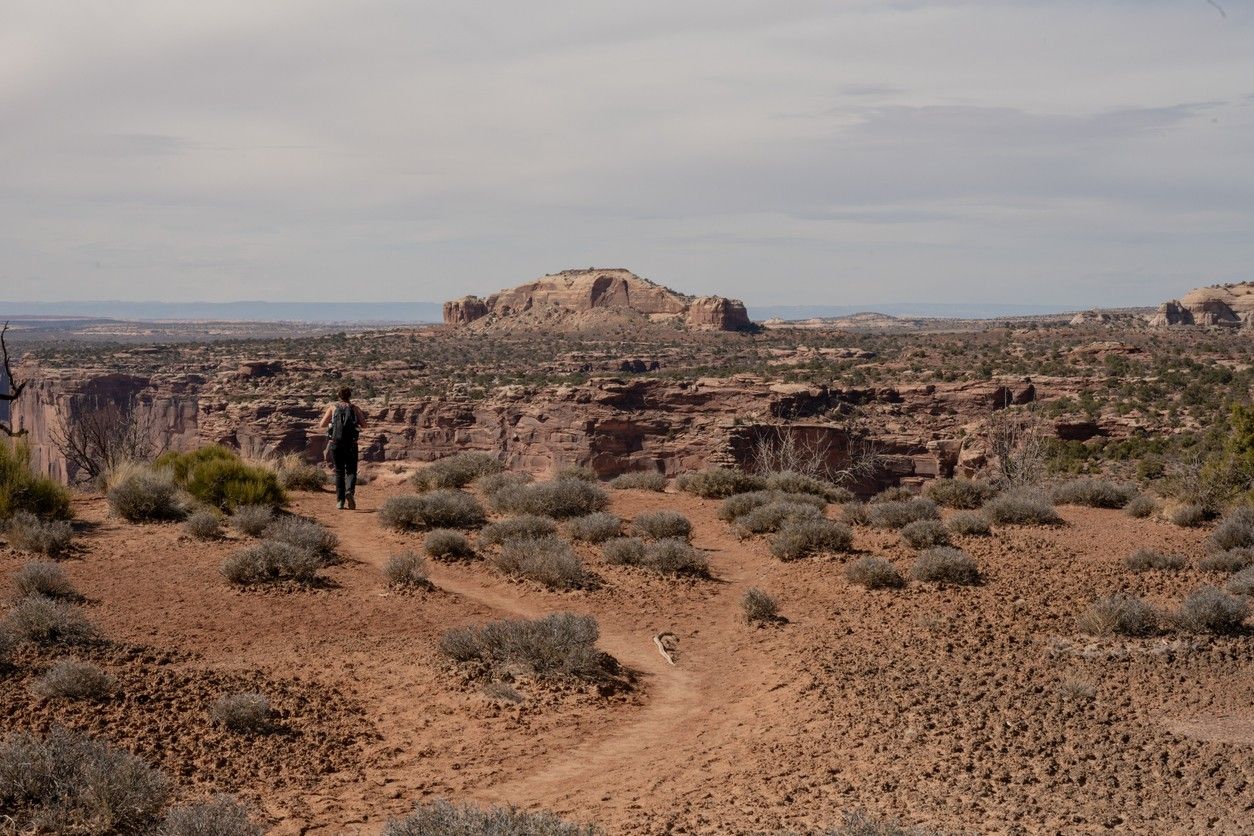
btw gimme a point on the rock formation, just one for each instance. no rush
(585, 298)
(1230, 305)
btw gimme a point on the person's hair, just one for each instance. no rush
(346, 394)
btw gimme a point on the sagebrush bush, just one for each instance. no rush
(494, 483)
(21, 489)
(438, 509)
(1235, 531)
(147, 496)
(1144, 560)
(456, 471)
(576, 471)
(799, 538)
(245, 713)
(893, 494)
(970, 524)
(443, 818)
(72, 679)
(595, 528)
(758, 606)
(1233, 560)
(270, 561)
(28, 533)
(547, 560)
(639, 480)
(296, 474)
(219, 478)
(923, 534)
(775, 515)
(1188, 515)
(1242, 583)
(1210, 611)
(560, 499)
(560, 645)
(788, 481)
(943, 564)
(445, 544)
(624, 551)
(874, 573)
(203, 525)
(719, 482)
(524, 527)
(1122, 615)
(964, 494)
(855, 513)
(1022, 506)
(407, 570)
(656, 525)
(1140, 507)
(46, 579)
(69, 784)
(737, 506)
(667, 556)
(1095, 493)
(251, 520)
(304, 534)
(221, 815)
(47, 621)
(896, 513)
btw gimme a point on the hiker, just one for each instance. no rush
(344, 421)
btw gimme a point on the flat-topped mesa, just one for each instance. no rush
(578, 298)
(1230, 305)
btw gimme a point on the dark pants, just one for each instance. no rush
(344, 454)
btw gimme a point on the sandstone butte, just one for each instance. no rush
(1230, 305)
(576, 299)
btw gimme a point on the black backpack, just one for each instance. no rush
(343, 424)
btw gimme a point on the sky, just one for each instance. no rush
(789, 152)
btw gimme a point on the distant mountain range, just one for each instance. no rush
(423, 312)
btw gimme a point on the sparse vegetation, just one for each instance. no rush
(595, 528)
(758, 606)
(72, 679)
(855, 513)
(1022, 506)
(407, 570)
(1095, 493)
(800, 538)
(639, 480)
(735, 507)
(624, 551)
(667, 556)
(147, 496)
(251, 520)
(1144, 560)
(558, 646)
(897, 513)
(1235, 531)
(28, 533)
(218, 816)
(874, 573)
(946, 565)
(966, 494)
(1210, 611)
(559, 499)
(47, 621)
(446, 544)
(1232, 560)
(524, 527)
(22, 490)
(442, 818)
(719, 482)
(970, 524)
(775, 515)
(203, 525)
(296, 474)
(1188, 515)
(46, 579)
(437, 509)
(657, 525)
(456, 471)
(547, 560)
(1242, 583)
(576, 471)
(272, 562)
(1122, 615)
(243, 713)
(790, 481)
(1141, 507)
(923, 534)
(306, 535)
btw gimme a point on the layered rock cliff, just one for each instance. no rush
(1230, 305)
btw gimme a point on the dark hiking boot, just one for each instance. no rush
(352, 502)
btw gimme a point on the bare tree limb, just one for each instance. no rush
(100, 434)
(15, 387)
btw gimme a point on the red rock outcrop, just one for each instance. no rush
(718, 313)
(465, 310)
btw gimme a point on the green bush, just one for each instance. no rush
(965, 494)
(970, 524)
(1144, 560)
(896, 513)
(558, 646)
(595, 528)
(271, 562)
(758, 606)
(444, 543)
(438, 509)
(456, 471)
(923, 534)
(719, 482)
(656, 525)
(943, 564)
(22, 490)
(1118, 615)
(524, 527)
(548, 561)
(181, 465)
(639, 480)
(1095, 493)
(147, 496)
(442, 818)
(46, 579)
(799, 538)
(228, 484)
(1210, 611)
(874, 573)
(1022, 506)
(407, 570)
(28, 533)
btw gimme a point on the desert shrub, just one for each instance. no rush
(456, 471)
(7, 644)
(547, 560)
(1188, 515)
(560, 645)
(719, 482)
(203, 525)
(799, 538)
(965, 494)
(737, 506)
(859, 824)
(1140, 507)
(21, 489)
(1022, 506)
(774, 516)
(444, 543)
(69, 784)
(271, 562)
(855, 513)
(624, 551)
(218, 816)
(789, 481)
(251, 520)
(595, 528)
(1235, 531)
(246, 713)
(1095, 493)
(493, 483)
(228, 482)
(560, 499)
(181, 465)
(524, 527)
(407, 570)
(306, 535)
(71, 679)
(47, 621)
(296, 474)
(943, 564)
(923, 534)
(576, 471)
(639, 480)
(668, 556)
(1210, 611)
(893, 494)
(897, 513)
(147, 496)
(438, 509)
(28, 533)
(659, 524)
(46, 579)
(970, 524)
(874, 573)
(1143, 560)
(1242, 583)
(758, 606)
(443, 818)
(1121, 615)
(1233, 560)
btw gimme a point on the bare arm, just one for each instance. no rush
(326, 418)
(361, 417)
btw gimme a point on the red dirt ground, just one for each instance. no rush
(947, 708)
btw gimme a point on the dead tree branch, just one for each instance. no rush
(15, 387)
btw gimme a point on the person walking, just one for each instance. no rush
(344, 421)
